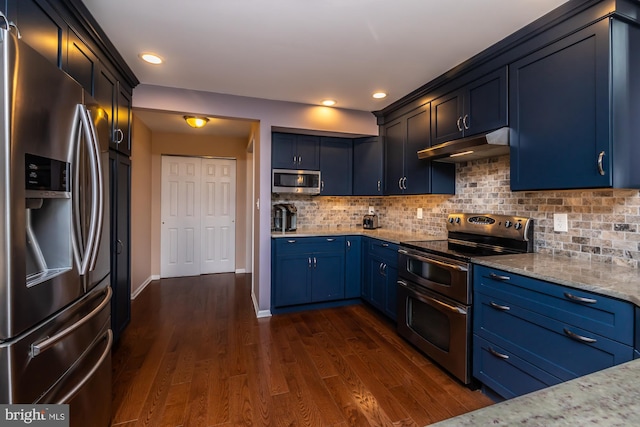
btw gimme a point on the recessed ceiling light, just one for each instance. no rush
(151, 58)
(328, 102)
(379, 95)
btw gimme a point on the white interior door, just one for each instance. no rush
(218, 216)
(180, 214)
(198, 216)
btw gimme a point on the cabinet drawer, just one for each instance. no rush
(592, 312)
(288, 245)
(558, 348)
(504, 372)
(388, 251)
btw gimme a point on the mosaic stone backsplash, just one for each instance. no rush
(603, 224)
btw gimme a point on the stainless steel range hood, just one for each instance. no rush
(492, 144)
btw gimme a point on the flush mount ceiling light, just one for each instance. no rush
(379, 95)
(329, 102)
(196, 122)
(151, 58)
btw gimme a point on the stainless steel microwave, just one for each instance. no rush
(295, 181)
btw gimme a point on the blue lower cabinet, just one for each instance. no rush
(327, 278)
(353, 266)
(379, 288)
(529, 334)
(293, 279)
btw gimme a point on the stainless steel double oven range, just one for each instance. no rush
(435, 284)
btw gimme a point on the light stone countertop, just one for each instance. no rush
(606, 279)
(392, 236)
(610, 397)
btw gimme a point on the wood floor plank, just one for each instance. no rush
(195, 355)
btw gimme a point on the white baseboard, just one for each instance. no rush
(259, 313)
(241, 271)
(144, 285)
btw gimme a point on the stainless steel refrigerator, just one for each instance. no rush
(55, 337)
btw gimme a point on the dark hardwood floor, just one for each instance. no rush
(196, 355)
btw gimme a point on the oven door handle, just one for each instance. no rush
(427, 298)
(435, 261)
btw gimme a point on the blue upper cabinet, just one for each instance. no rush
(336, 166)
(290, 151)
(477, 107)
(574, 111)
(367, 166)
(404, 173)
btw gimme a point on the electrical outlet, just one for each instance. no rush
(419, 213)
(560, 222)
(371, 210)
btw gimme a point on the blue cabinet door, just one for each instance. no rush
(378, 282)
(353, 267)
(336, 163)
(367, 166)
(390, 272)
(485, 103)
(394, 134)
(560, 112)
(327, 281)
(417, 172)
(293, 279)
(283, 151)
(447, 117)
(308, 152)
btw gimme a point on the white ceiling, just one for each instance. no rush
(308, 50)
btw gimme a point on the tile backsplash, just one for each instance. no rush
(603, 224)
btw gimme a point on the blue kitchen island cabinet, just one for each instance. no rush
(379, 287)
(291, 151)
(307, 270)
(529, 333)
(574, 111)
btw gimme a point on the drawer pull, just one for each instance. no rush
(498, 355)
(385, 245)
(498, 277)
(580, 338)
(291, 241)
(580, 299)
(499, 307)
(331, 240)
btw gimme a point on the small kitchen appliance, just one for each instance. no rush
(285, 217)
(370, 222)
(435, 280)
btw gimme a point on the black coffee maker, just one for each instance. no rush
(284, 217)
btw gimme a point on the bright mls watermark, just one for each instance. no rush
(34, 415)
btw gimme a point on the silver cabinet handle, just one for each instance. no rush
(348, 243)
(580, 338)
(404, 183)
(580, 299)
(309, 262)
(119, 137)
(400, 183)
(315, 262)
(498, 355)
(600, 161)
(331, 239)
(465, 121)
(498, 277)
(384, 270)
(380, 268)
(49, 342)
(378, 185)
(299, 159)
(458, 123)
(67, 397)
(385, 245)
(295, 160)
(322, 185)
(120, 247)
(291, 241)
(499, 307)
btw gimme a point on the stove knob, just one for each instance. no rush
(457, 220)
(450, 220)
(518, 225)
(507, 224)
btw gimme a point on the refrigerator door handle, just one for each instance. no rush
(86, 258)
(67, 397)
(47, 343)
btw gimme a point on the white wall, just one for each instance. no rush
(269, 114)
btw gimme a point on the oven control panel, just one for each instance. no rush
(508, 226)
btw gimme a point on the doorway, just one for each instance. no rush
(198, 215)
